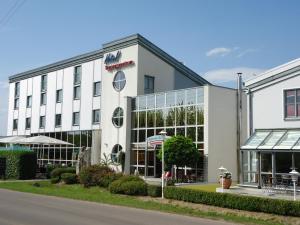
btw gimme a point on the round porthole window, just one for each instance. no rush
(119, 81)
(117, 118)
(115, 153)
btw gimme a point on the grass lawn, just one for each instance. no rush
(96, 194)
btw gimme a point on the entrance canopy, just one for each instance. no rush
(274, 139)
(11, 140)
(35, 140)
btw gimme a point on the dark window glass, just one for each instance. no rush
(58, 120)
(134, 120)
(134, 136)
(16, 103)
(97, 88)
(17, 89)
(77, 141)
(180, 116)
(59, 95)
(96, 116)
(15, 124)
(150, 118)
(283, 162)
(170, 131)
(266, 162)
(119, 81)
(118, 116)
(292, 103)
(150, 132)
(180, 131)
(44, 83)
(43, 98)
(90, 138)
(64, 136)
(76, 118)
(159, 118)
(200, 115)
(200, 134)
(148, 84)
(170, 117)
(76, 92)
(77, 75)
(142, 119)
(191, 115)
(115, 153)
(29, 102)
(84, 141)
(191, 133)
(142, 135)
(28, 123)
(42, 121)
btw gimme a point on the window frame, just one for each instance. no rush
(27, 105)
(295, 104)
(16, 106)
(76, 73)
(15, 124)
(119, 119)
(42, 102)
(94, 89)
(56, 124)
(42, 126)
(44, 79)
(93, 116)
(73, 119)
(148, 90)
(119, 85)
(57, 95)
(26, 123)
(74, 92)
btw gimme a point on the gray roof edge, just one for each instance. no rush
(58, 65)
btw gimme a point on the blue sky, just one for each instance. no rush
(214, 38)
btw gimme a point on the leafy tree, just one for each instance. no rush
(179, 151)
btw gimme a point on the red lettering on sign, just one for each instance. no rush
(119, 65)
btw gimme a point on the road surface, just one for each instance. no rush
(18, 208)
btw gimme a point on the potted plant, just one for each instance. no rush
(226, 179)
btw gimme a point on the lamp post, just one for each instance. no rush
(222, 169)
(163, 135)
(294, 175)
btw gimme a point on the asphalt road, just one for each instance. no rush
(18, 208)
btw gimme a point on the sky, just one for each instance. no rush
(214, 38)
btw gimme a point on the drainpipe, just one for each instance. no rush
(239, 124)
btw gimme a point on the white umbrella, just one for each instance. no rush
(42, 140)
(11, 140)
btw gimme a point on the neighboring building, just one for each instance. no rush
(90, 100)
(273, 148)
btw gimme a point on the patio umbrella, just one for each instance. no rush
(11, 140)
(42, 140)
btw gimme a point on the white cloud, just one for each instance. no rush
(222, 51)
(3, 84)
(247, 51)
(220, 76)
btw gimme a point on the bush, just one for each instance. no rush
(92, 175)
(129, 185)
(249, 203)
(57, 172)
(55, 180)
(69, 178)
(49, 168)
(20, 164)
(107, 179)
(154, 190)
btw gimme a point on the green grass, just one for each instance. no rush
(96, 194)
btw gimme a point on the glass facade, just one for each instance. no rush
(178, 112)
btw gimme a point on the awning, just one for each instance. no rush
(42, 140)
(273, 139)
(11, 140)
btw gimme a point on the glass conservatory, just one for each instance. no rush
(270, 154)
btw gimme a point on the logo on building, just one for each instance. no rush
(111, 58)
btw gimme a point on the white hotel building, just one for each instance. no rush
(111, 99)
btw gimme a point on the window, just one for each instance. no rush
(43, 98)
(42, 121)
(115, 153)
(44, 83)
(76, 118)
(117, 118)
(77, 75)
(292, 103)
(17, 89)
(28, 123)
(96, 116)
(58, 96)
(119, 81)
(16, 103)
(29, 101)
(97, 88)
(148, 84)
(76, 92)
(57, 120)
(15, 124)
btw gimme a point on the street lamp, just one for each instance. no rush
(163, 135)
(222, 169)
(294, 175)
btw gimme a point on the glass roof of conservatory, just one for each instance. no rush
(273, 139)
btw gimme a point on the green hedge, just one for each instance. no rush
(154, 190)
(57, 172)
(232, 201)
(129, 185)
(20, 164)
(69, 178)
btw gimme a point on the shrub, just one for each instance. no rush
(49, 168)
(57, 172)
(20, 164)
(69, 178)
(107, 179)
(154, 190)
(92, 175)
(232, 201)
(55, 180)
(129, 185)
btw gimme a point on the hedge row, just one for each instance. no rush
(20, 164)
(232, 201)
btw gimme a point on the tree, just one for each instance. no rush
(179, 151)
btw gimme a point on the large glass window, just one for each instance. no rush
(118, 116)
(28, 123)
(115, 153)
(292, 103)
(96, 116)
(97, 88)
(283, 162)
(119, 81)
(59, 96)
(58, 120)
(76, 118)
(148, 84)
(29, 101)
(42, 122)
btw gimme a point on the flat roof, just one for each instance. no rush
(108, 47)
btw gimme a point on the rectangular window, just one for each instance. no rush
(58, 96)
(29, 101)
(148, 84)
(15, 124)
(43, 98)
(76, 92)
(57, 120)
(292, 103)
(17, 89)
(76, 118)
(16, 103)
(28, 123)
(96, 116)
(44, 83)
(77, 75)
(97, 88)
(42, 121)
